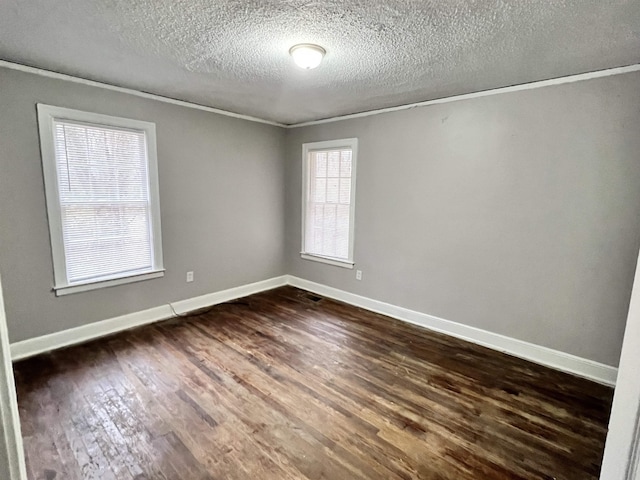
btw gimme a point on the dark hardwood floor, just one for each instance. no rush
(282, 385)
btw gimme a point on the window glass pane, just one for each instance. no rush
(345, 163)
(320, 190)
(333, 165)
(328, 227)
(321, 164)
(333, 190)
(345, 168)
(345, 190)
(342, 231)
(318, 212)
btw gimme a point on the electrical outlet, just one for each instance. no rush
(358, 274)
(189, 277)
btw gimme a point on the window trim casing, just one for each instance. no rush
(307, 148)
(46, 116)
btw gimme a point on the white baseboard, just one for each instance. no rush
(84, 333)
(72, 336)
(215, 298)
(564, 362)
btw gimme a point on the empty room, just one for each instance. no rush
(319, 240)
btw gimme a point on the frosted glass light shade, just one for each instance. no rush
(306, 55)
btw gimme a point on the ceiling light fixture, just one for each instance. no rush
(307, 55)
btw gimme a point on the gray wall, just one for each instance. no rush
(221, 184)
(515, 213)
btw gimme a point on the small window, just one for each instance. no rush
(101, 182)
(329, 175)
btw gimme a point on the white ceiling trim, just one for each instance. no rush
(485, 93)
(137, 93)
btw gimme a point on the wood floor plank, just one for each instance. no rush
(285, 385)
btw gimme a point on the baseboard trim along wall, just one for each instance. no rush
(53, 341)
(565, 362)
(555, 359)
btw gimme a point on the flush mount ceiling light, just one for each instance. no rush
(307, 55)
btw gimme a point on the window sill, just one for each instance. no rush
(330, 261)
(84, 287)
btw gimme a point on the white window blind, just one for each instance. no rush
(105, 207)
(328, 216)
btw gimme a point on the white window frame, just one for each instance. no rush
(46, 116)
(307, 148)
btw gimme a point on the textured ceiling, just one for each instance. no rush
(233, 55)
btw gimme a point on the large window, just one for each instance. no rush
(329, 174)
(101, 184)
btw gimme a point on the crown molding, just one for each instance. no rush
(138, 93)
(484, 93)
(467, 96)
